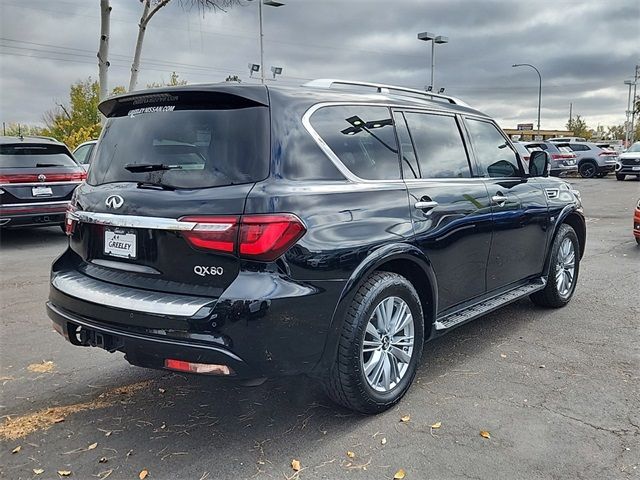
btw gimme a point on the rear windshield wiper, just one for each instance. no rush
(150, 167)
(160, 186)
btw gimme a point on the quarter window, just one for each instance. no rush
(439, 146)
(363, 138)
(494, 156)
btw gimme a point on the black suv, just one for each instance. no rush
(252, 231)
(37, 178)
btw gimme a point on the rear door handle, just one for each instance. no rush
(425, 205)
(498, 199)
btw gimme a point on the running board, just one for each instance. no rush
(486, 306)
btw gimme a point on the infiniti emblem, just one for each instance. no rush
(42, 177)
(114, 201)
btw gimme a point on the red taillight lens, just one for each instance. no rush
(213, 233)
(266, 237)
(255, 237)
(51, 177)
(70, 220)
(208, 368)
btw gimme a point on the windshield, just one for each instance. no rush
(200, 148)
(35, 156)
(635, 147)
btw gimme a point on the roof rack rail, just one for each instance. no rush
(382, 88)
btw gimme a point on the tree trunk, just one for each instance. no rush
(142, 27)
(103, 49)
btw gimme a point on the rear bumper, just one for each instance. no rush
(559, 170)
(144, 350)
(264, 324)
(33, 214)
(609, 167)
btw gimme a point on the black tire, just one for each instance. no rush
(346, 383)
(550, 296)
(620, 177)
(588, 169)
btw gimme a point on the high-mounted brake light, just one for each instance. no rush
(255, 237)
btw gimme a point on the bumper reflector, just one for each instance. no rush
(207, 368)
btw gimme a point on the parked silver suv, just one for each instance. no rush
(592, 159)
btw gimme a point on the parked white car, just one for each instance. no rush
(83, 152)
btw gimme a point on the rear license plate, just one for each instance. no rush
(635, 169)
(41, 191)
(120, 244)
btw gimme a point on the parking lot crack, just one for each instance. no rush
(615, 431)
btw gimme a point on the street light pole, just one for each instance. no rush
(539, 87)
(261, 45)
(433, 38)
(627, 125)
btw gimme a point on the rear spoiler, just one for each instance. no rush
(219, 96)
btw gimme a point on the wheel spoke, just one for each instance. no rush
(400, 354)
(371, 330)
(386, 372)
(388, 310)
(405, 321)
(372, 363)
(395, 369)
(397, 318)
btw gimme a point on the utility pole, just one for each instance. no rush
(633, 104)
(570, 112)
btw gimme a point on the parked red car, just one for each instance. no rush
(636, 223)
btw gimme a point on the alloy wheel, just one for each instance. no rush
(388, 344)
(565, 268)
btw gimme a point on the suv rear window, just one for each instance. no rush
(203, 148)
(35, 156)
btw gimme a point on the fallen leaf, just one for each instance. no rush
(38, 471)
(383, 441)
(102, 460)
(161, 390)
(108, 434)
(64, 473)
(143, 474)
(485, 434)
(92, 446)
(503, 355)
(43, 367)
(58, 420)
(295, 464)
(436, 425)
(405, 418)
(399, 474)
(351, 454)
(543, 366)
(17, 449)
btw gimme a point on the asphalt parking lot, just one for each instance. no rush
(557, 390)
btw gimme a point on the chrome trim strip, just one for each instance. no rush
(38, 184)
(91, 290)
(132, 221)
(37, 204)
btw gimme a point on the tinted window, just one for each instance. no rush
(439, 146)
(82, 153)
(362, 137)
(576, 147)
(35, 156)
(493, 153)
(204, 148)
(410, 166)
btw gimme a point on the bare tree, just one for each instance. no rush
(150, 8)
(103, 49)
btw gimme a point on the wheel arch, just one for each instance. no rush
(401, 258)
(572, 216)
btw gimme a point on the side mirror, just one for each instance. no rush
(539, 164)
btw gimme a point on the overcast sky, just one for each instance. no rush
(584, 49)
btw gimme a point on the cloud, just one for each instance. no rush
(584, 50)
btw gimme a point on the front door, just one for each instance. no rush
(449, 208)
(518, 204)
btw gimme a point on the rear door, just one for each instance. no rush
(166, 188)
(449, 208)
(518, 204)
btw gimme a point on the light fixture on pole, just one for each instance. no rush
(433, 38)
(269, 3)
(276, 71)
(539, 87)
(253, 68)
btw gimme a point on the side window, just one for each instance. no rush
(576, 147)
(82, 154)
(362, 137)
(439, 146)
(494, 156)
(410, 166)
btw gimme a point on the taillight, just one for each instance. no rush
(208, 368)
(266, 237)
(255, 237)
(51, 177)
(213, 233)
(608, 154)
(70, 219)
